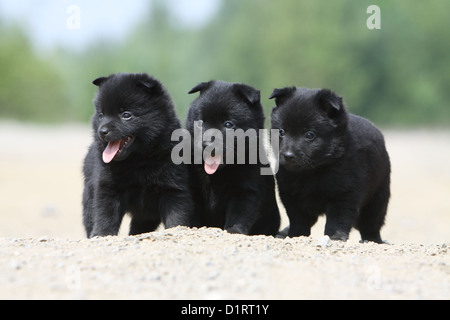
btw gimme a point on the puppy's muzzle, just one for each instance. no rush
(289, 156)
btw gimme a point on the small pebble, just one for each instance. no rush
(324, 242)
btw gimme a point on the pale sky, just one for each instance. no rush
(47, 20)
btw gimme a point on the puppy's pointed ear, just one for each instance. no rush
(149, 84)
(249, 94)
(200, 87)
(99, 81)
(330, 102)
(146, 84)
(281, 95)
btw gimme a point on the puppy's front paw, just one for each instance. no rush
(237, 228)
(339, 235)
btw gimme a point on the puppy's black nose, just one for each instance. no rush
(104, 131)
(289, 155)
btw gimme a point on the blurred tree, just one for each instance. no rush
(397, 75)
(29, 86)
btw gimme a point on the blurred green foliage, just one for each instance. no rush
(398, 75)
(25, 80)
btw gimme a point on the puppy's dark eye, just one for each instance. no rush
(126, 115)
(282, 133)
(310, 135)
(100, 116)
(228, 124)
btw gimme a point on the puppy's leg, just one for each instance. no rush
(372, 215)
(241, 213)
(139, 225)
(108, 215)
(268, 222)
(176, 209)
(88, 211)
(340, 219)
(300, 220)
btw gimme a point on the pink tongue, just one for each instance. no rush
(212, 163)
(111, 151)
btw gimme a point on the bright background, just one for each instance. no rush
(398, 77)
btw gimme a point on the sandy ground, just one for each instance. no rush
(44, 253)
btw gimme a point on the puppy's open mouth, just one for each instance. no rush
(212, 164)
(117, 149)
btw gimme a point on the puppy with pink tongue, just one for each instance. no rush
(231, 196)
(128, 168)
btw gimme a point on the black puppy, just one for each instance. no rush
(332, 162)
(232, 196)
(128, 167)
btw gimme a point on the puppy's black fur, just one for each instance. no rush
(128, 167)
(331, 162)
(234, 197)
